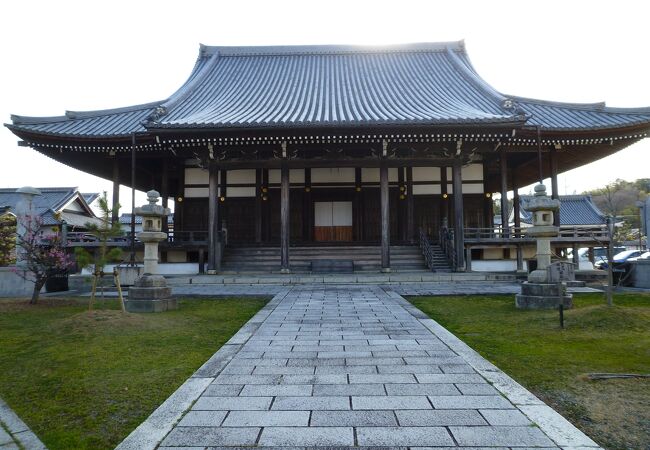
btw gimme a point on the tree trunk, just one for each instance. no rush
(38, 285)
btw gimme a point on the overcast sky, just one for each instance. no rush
(87, 55)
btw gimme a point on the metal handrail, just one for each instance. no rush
(446, 239)
(427, 250)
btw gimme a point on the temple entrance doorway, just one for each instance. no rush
(333, 221)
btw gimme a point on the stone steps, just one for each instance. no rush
(404, 258)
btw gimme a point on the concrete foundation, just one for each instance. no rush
(543, 296)
(150, 294)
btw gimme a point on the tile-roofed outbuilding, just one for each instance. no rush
(332, 86)
(53, 205)
(574, 210)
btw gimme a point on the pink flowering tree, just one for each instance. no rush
(40, 257)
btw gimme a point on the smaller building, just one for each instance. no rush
(55, 206)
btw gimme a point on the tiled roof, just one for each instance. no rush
(333, 86)
(574, 210)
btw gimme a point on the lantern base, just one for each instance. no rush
(150, 294)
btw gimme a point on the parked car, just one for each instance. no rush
(619, 258)
(600, 256)
(645, 255)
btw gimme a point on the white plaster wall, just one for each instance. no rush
(427, 189)
(371, 174)
(196, 175)
(472, 188)
(296, 176)
(472, 172)
(332, 175)
(192, 192)
(235, 192)
(496, 265)
(242, 176)
(426, 174)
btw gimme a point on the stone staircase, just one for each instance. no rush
(341, 259)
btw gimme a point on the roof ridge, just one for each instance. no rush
(295, 50)
(596, 106)
(30, 120)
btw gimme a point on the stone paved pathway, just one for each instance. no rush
(353, 366)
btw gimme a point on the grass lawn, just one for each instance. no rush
(85, 380)
(552, 363)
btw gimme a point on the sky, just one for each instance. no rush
(87, 55)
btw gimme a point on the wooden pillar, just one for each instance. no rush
(214, 250)
(517, 219)
(115, 212)
(401, 205)
(488, 201)
(444, 193)
(307, 214)
(284, 219)
(576, 257)
(503, 162)
(410, 236)
(266, 209)
(258, 206)
(223, 190)
(164, 191)
(385, 219)
(180, 197)
(555, 193)
(459, 219)
(357, 221)
(201, 260)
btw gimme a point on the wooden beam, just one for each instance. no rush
(459, 225)
(284, 220)
(385, 219)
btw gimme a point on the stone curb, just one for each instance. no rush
(154, 429)
(19, 431)
(556, 427)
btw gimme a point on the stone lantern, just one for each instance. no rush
(542, 291)
(150, 292)
(151, 234)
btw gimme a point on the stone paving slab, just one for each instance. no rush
(328, 366)
(14, 433)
